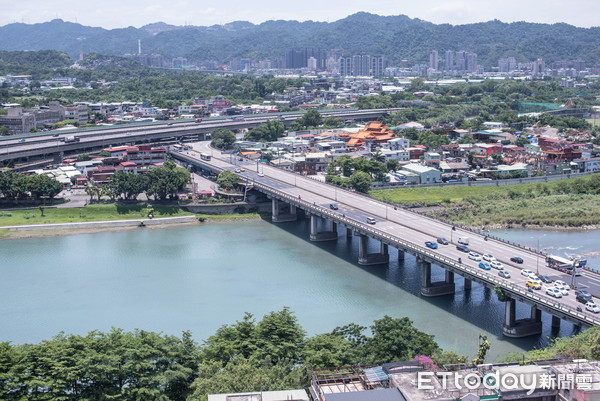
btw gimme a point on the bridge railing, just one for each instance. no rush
(546, 301)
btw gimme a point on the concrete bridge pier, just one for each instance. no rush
(348, 233)
(523, 327)
(315, 235)
(400, 255)
(555, 322)
(278, 217)
(468, 284)
(438, 288)
(367, 259)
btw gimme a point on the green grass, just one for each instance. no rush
(434, 195)
(88, 213)
(565, 203)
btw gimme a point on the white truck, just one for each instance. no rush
(463, 240)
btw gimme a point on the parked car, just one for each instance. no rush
(533, 284)
(516, 259)
(431, 244)
(504, 274)
(554, 292)
(526, 273)
(474, 256)
(497, 265)
(484, 265)
(442, 240)
(592, 307)
(462, 248)
(488, 257)
(545, 279)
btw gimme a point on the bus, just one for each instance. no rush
(205, 156)
(178, 147)
(566, 265)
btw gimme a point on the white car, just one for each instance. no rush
(496, 265)
(474, 256)
(563, 290)
(261, 175)
(527, 273)
(592, 307)
(489, 258)
(561, 283)
(554, 292)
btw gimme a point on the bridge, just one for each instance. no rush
(52, 145)
(407, 232)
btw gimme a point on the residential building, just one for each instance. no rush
(282, 395)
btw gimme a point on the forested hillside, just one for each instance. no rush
(397, 37)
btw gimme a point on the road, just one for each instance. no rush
(408, 225)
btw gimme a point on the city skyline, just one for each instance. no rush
(112, 14)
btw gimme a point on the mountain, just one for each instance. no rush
(397, 37)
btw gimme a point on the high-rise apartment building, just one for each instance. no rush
(433, 60)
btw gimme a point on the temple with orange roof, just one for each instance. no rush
(374, 133)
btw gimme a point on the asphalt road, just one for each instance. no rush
(408, 225)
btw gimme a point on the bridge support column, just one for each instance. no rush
(278, 217)
(555, 322)
(315, 235)
(400, 255)
(367, 259)
(523, 327)
(348, 233)
(468, 284)
(438, 288)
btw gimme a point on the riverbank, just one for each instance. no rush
(55, 222)
(572, 204)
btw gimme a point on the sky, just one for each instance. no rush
(112, 14)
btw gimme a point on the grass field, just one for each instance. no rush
(563, 203)
(88, 213)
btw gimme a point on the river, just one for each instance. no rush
(198, 278)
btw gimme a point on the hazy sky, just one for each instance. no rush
(119, 14)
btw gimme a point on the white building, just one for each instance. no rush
(427, 175)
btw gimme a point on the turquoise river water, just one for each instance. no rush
(198, 278)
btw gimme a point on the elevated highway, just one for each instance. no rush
(52, 144)
(407, 232)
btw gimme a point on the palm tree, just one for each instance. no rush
(378, 156)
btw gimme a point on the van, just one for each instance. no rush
(371, 220)
(463, 240)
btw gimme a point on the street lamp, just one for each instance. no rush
(537, 260)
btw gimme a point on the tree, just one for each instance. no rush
(227, 180)
(42, 185)
(310, 119)
(268, 131)
(279, 336)
(378, 156)
(332, 122)
(392, 164)
(397, 340)
(104, 153)
(91, 190)
(222, 138)
(166, 181)
(361, 181)
(128, 184)
(3, 130)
